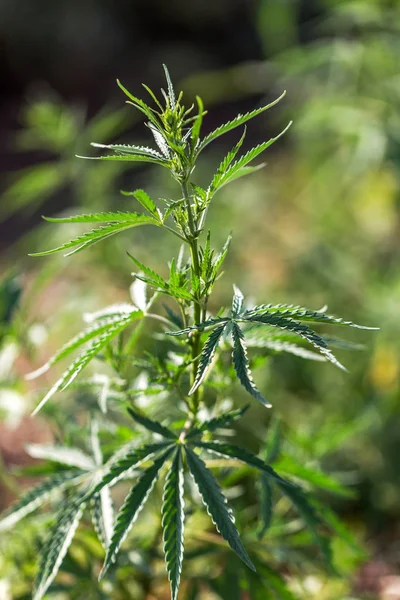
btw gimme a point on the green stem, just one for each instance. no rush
(196, 305)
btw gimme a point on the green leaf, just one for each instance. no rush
(129, 158)
(36, 496)
(218, 422)
(207, 356)
(237, 302)
(303, 314)
(145, 201)
(239, 120)
(310, 516)
(173, 518)
(140, 105)
(275, 346)
(241, 364)
(265, 505)
(216, 505)
(223, 167)
(291, 466)
(102, 514)
(303, 331)
(72, 457)
(205, 325)
(57, 544)
(125, 461)
(196, 127)
(137, 151)
(131, 508)
(236, 168)
(171, 92)
(151, 425)
(243, 455)
(86, 356)
(102, 217)
(152, 277)
(85, 336)
(96, 235)
(219, 259)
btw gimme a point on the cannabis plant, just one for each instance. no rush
(207, 353)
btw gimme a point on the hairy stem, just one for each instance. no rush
(197, 309)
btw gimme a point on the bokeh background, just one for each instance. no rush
(319, 225)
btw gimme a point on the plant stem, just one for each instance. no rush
(196, 306)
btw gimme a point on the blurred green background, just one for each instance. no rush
(319, 225)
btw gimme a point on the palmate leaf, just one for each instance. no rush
(151, 425)
(239, 120)
(101, 233)
(241, 364)
(173, 518)
(92, 350)
(37, 496)
(218, 422)
(57, 544)
(303, 314)
(131, 508)
(216, 505)
(107, 322)
(140, 105)
(243, 455)
(207, 356)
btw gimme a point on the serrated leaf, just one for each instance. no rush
(219, 259)
(241, 365)
(131, 150)
(237, 302)
(171, 92)
(300, 329)
(36, 496)
(102, 514)
(151, 425)
(96, 235)
(201, 326)
(102, 217)
(207, 356)
(233, 170)
(145, 201)
(275, 346)
(131, 508)
(84, 359)
(108, 322)
(154, 278)
(129, 158)
(239, 120)
(223, 167)
(125, 461)
(72, 457)
(218, 422)
(243, 455)
(140, 105)
(216, 505)
(57, 544)
(173, 518)
(303, 314)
